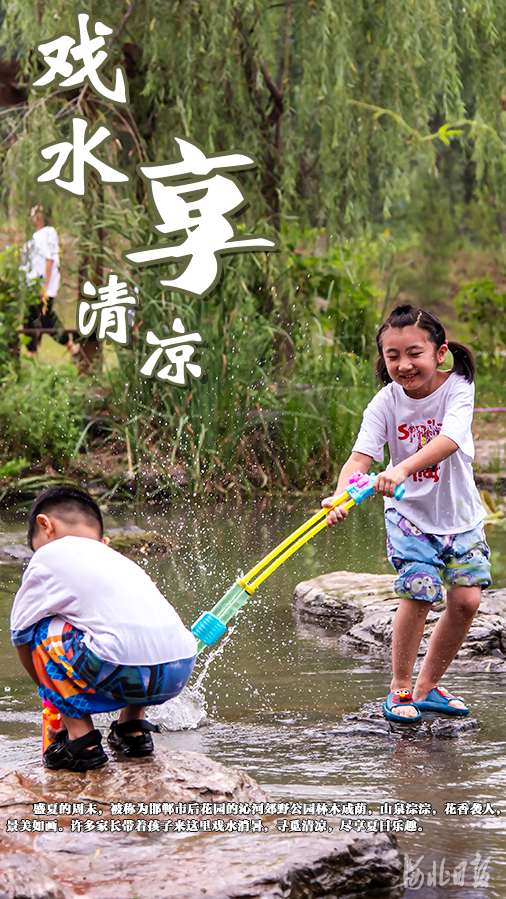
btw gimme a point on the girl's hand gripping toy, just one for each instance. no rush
(210, 626)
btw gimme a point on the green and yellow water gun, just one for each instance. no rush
(210, 626)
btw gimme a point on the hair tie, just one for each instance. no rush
(446, 343)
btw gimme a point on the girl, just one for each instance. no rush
(435, 532)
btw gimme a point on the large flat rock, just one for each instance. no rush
(358, 609)
(174, 826)
(235, 866)
(177, 776)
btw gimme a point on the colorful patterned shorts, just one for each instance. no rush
(427, 561)
(79, 683)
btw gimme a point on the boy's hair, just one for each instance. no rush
(70, 504)
(406, 315)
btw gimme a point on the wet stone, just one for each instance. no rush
(103, 864)
(369, 721)
(131, 540)
(15, 552)
(260, 866)
(358, 610)
(177, 776)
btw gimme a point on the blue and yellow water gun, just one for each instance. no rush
(210, 626)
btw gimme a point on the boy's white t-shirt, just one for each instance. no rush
(125, 618)
(43, 245)
(442, 499)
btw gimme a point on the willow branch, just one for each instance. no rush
(448, 129)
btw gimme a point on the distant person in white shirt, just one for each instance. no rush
(435, 532)
(41, 263)
(94, 633)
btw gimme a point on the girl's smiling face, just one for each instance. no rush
(412, 359)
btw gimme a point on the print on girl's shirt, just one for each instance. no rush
(421, 435)
(427, 474)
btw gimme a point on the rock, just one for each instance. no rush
(132, 540)
(226, 866)
(102, 861)
(338, 600)
(177, 776)
(447, 728)
(24, 879)
(369, 721)
(359, 610)
(15, 552)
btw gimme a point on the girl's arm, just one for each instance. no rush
(25, 657)
(356, 462)
(439, 448)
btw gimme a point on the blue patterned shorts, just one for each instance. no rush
(425, 562)
(80, 683)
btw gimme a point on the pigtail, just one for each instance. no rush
(463, 361)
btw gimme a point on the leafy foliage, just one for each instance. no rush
(351, 109)
(483, 306)
(15, 296)
(41, 414)
(340, 101)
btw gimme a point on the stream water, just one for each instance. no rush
(269, 698)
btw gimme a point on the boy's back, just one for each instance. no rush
(124, 616)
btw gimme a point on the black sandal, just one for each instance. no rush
(120, 737)
(75, 755)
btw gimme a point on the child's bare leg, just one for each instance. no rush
(408, 626)
(446, 639)
(77, 727)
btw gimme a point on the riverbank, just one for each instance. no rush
(107, 473)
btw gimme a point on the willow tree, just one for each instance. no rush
(340, 100)
(345, 104)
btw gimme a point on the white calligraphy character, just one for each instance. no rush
(178, 350)
(195, 209)
(56, 53)
(111, 310)
(82, 154)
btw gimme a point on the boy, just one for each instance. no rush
(94, 633)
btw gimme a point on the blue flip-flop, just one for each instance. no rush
(396, 698)
(438, 700)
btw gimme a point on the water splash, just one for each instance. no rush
(217, 651)
(185, 712)
(189, 710)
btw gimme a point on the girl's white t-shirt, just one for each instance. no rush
(442, 499)
(125, 618)
(43, 245)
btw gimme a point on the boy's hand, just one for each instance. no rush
(336, 514)
(386, 481)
